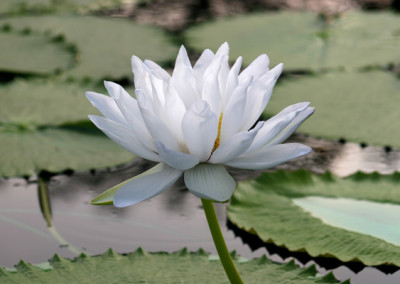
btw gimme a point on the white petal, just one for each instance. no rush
(258, 95)
(158, 130)
(269, 157)
(234, 111)
(275, 125)
(175, 159)
(211, 92)
(130, 110)
(147, 185)
(223, 74)
(124, 136)
(210, 181)
(256, 69)
(285, 133)
(235, 146)
(106, 106)
(233, 80)
(141, 77)
(173, 113)
(200, 129)
(223, 49)
(157, 70)
(182, 79)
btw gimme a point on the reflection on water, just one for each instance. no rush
(168, 222)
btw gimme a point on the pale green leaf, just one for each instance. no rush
(144, 267)
(267, 207)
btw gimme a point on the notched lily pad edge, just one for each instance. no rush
(308, 272)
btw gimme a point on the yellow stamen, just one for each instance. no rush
(216, 143)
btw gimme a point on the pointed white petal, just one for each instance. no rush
(257, 68)
(223, 75)
(129, 108)
(147, 185)
(235, 146)
(211, 92)
(234, 111)
(289, 129)
(269, 157)
(200, 129)
(223, 49)
(175, 159)
(141, 77)
(124, 136)
(233, 79)
(210, 181)
(106, 106)
(275, 125)
(160, 72)
(157, 129)
(258, 95)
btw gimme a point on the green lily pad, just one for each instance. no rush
(45, 102)
(28, 151)
(304, 40)
(360, 107)
(273, 207)
(33, 53)
(105, 45)
(143, 267)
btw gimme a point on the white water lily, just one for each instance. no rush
(196, 121)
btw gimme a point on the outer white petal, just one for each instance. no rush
(159, 179)
(285, 133)
(124, 136)
(211, 92)
(175, 159)
(210, 181)
(158, 130)
(256, 68)
(275, 125)
(258, 95)
(106, 106)
(130, 110)
(269, 157)
(200, 129)
(141, 75)
(200, 67)
(235, 146)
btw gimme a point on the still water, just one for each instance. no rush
(70, 225)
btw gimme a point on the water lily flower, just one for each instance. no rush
(196, 121)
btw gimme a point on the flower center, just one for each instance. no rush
(216, 143)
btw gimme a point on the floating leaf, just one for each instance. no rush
(105, 45)
(33, 53)
(361, 107)
(304, 40)
(267, 207)
(26, 152)
(45, 102)
(143, 267)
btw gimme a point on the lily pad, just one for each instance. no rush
(143, 267)
(28, 151)
(271, 207)
(105, 45)
(360, 107)
(45, 102)
(304, 40)
(33, 53)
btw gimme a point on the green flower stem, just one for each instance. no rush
(219, 242)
